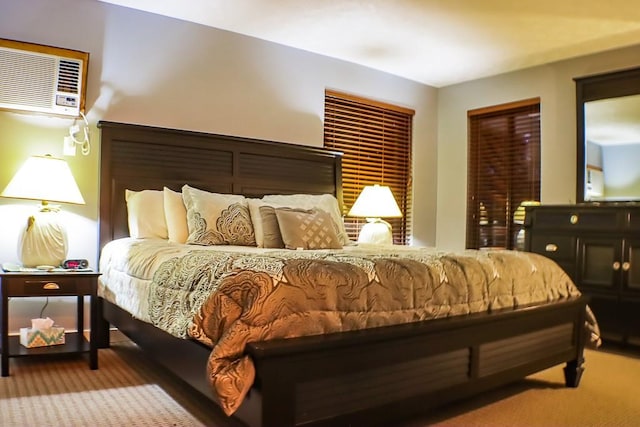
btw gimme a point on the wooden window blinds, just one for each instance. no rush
(503, 171)
(375, 139)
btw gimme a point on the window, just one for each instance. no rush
(503, 171)
(375, 139)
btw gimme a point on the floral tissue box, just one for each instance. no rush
(30, 337)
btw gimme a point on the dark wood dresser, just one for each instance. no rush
(599, 247)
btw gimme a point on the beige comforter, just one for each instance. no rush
(240, 298)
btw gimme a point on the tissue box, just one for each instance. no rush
(30, 337)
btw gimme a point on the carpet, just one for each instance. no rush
(126, 390)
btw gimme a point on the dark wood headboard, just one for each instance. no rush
(143, 157)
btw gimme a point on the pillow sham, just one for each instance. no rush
(217, 219)
(175, 215)
(325, 202)
(314, 229)
(145, 214)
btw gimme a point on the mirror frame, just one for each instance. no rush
(591, 88)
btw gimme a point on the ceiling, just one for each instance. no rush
(435, 42)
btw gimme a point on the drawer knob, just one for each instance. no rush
(616, 266)
(551, 247)
(573, 219)
(51, 286)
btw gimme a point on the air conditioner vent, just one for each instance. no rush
(69, 76)
(42, 79)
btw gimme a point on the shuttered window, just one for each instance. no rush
(503, 171)
(375, 139)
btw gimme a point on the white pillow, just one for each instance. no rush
(145, 214)
(217, 219)
(175, 214)
(325, 202)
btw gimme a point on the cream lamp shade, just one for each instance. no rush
(519, 214)
(374, 202)
(44, 239)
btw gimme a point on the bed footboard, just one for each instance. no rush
(389, 374)
(386, 374)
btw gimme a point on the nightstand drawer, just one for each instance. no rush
(48, 285)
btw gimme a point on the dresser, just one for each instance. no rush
(599, 248)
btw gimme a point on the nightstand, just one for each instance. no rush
(50, 284)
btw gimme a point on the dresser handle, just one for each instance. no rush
(551, 247)
(573, 219)
(51, 286)
(616, 266)
(626, 265)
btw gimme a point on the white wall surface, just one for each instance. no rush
(152, 70)
(621, 164)
(554, 84)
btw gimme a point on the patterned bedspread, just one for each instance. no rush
(227, 299)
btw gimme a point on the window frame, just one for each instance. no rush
(367, 132)
(494, 225)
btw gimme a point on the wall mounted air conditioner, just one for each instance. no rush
(42, 79)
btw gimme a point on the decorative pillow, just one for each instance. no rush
(217, 219)
(256, 220)
(325, 202)
(145, 214)
(175, 214)
(271, 235)
(313, 229)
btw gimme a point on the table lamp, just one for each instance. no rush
(518, 218)
(45, 178)
(374, 202)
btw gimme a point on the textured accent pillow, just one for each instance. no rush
(217, 219)
(145, 214)
(175, 214)
(313, 229)
(325, 202)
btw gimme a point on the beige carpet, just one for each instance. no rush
(127, 390)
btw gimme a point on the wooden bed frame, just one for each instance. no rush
(367, 377)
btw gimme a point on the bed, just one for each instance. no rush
(369, 376)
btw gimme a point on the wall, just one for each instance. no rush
(554, 84)
(153, 70)
(622, 174)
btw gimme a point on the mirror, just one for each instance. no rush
(608, 119)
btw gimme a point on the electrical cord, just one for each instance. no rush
(46, 303)
(85, 145)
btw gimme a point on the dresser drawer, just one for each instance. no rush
(554, 246)
(36, 285)
(634, 220)
(576, 220)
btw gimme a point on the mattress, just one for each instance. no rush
(128, 266)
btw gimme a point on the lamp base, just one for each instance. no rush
(376, 231)
(44, 240)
